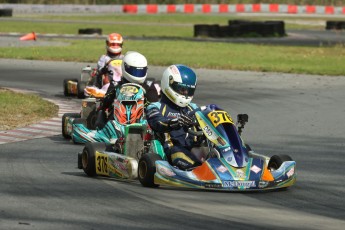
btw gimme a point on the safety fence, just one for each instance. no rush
(178, 8)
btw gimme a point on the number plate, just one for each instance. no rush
(101, 164)
(219, 117)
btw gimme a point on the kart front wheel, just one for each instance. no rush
(88, 157)
(277, 160)
(147, 169)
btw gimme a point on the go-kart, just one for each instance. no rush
(87, 116)
(124, 139)
(82, 87)
(228, 163)
(128, 111)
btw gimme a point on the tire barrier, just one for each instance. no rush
(90, 31)
(335, 25)
(6, 12)
(242, 28)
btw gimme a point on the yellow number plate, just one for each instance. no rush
(101, 164)
(219, 117)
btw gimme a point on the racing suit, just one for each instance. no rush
(102, 62)
(151, 95)
(177, 144)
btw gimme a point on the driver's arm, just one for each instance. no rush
(157, 121)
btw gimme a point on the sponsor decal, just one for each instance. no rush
(291, 172)
(208, 131)
(173, 115)
(255, 169)
(263, 184)
(235, 150)
(174, 69)
(149, 83)
(221, 141)
(120, 166)
(226, 149)
(209, 185)
(240, 174)
(244, 184)
(129, 90)
(91, 134)
(166, 171)
(222, 169)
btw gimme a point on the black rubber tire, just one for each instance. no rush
(88, 157)
(65, 86)
(91, 120)
(277, 160)
(80, 89)
(147, 169)
(63, 125)
(90, 31)
(80, 165)
(6, 12)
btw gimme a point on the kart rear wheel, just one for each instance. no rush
(147, 169)
(277, 160)
(65, 86)
(80, 89)
(88, 157)
(91, 120)
(64, 120)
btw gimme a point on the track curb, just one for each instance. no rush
(44, 128)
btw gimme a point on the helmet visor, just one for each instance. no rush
(136, 71)
(113, 44)
(182, 89)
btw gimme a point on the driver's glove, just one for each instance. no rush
(174, 123)
(185, 120)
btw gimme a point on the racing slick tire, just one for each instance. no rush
(91, 120)
(277, 160)
(88, 157)
(65, 86)
(80, 89)
(147, 169)
(64, 123)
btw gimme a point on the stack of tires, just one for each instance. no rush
(6, 12)
(242, 28)
(96, 31)
(335, 25)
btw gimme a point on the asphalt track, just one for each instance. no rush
(299, 115)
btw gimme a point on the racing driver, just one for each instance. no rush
(169, 118)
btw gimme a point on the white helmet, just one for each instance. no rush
(178, 84)
(114, 43)
(134, 67)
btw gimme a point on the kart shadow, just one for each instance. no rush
(136, 183)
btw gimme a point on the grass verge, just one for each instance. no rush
(19, 110)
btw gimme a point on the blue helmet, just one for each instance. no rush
(179, 84)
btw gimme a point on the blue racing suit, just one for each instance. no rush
(177, 143)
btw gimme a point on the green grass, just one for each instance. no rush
(216, 55)
(32, 109)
